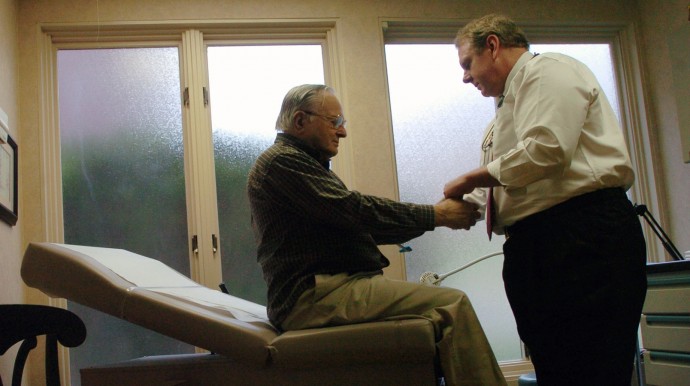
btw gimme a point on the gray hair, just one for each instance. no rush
(304, 97)
(476, 32)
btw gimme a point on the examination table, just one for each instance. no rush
(243, 347)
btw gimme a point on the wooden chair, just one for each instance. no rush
(24, 322)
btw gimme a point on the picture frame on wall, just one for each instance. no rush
(8, 181)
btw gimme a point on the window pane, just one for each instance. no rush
(437, 125)
(247, 86)
(123, 177)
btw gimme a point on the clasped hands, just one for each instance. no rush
(453, 212)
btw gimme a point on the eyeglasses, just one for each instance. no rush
(336, 121)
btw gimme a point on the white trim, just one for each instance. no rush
(253, 31)
(4, 126)
(343, 164)
(50, 142)
(202, 217)
(51, 171)
(642, 142)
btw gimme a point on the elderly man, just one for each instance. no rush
(317, 242)
(557, 166)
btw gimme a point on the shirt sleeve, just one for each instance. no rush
(315, 192)
(551, 104)
(478, 197)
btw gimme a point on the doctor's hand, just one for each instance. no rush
(467, 182)
(455, 214)
(458, 187)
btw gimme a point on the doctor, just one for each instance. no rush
(557, 167)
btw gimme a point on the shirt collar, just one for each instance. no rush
(298, 143)
(524, 58)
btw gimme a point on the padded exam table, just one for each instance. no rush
(246, 349)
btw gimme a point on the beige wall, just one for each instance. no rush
(665, 37)
(12, 290)
(363, 88)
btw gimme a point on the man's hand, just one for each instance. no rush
(467, 182)
(455, 214)
(458, 187)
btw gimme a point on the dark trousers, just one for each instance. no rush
(575, 278)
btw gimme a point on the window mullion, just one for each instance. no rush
(200, 183)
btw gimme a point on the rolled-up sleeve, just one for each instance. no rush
(551, 104)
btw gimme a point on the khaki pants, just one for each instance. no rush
(465, 355)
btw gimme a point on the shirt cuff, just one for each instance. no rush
(494, 169)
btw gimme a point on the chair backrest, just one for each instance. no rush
(24, 322)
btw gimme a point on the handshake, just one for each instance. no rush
(455, 213)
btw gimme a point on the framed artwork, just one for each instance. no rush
(8, 181)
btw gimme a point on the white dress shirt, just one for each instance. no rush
(554, 137)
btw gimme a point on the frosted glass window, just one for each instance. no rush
(247, 86)
(438, 123)
(123, 177)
